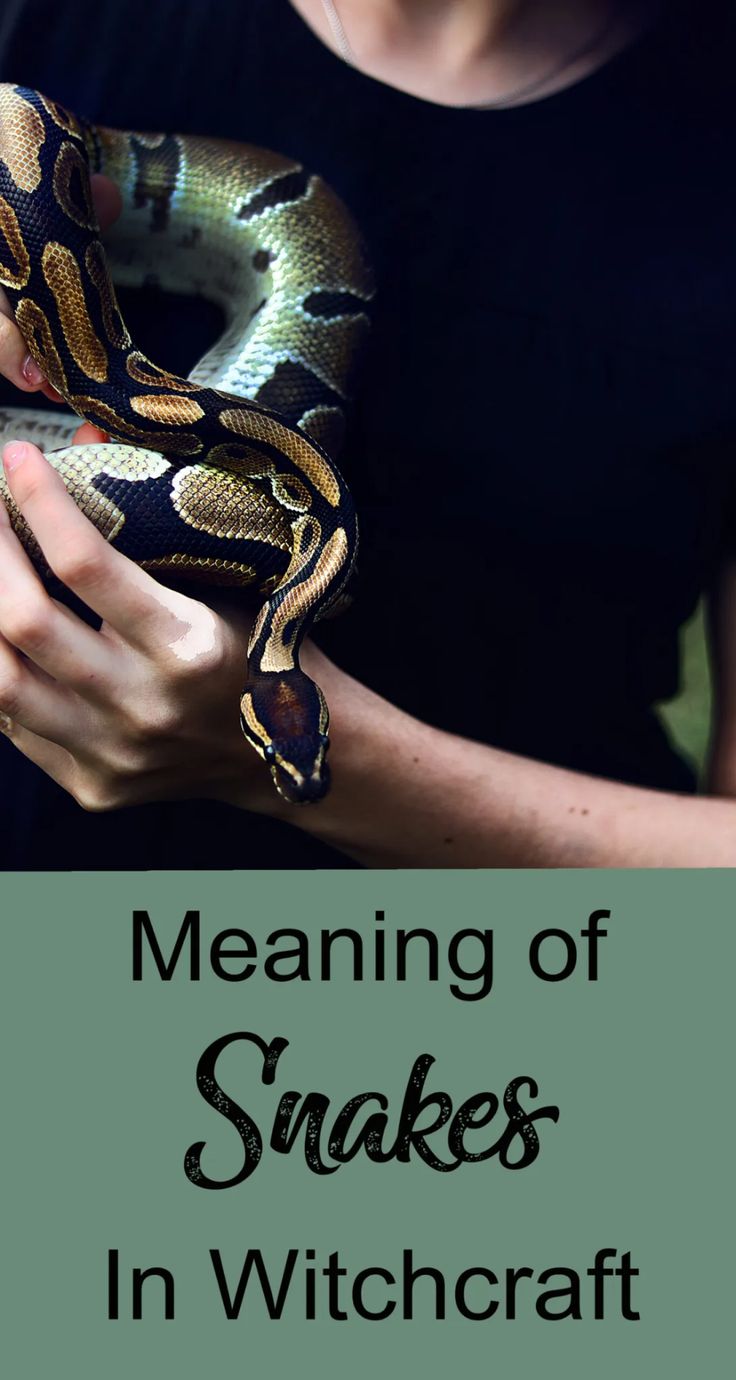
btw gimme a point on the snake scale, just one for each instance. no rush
(224, 476)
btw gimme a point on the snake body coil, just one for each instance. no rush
(224, 476)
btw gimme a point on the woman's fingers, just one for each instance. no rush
(89, 435)
(32, 701)
(140, 610)
(50, 757)
(107, 200)
(16, 364)
(55, 640)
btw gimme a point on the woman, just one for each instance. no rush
(541, 451)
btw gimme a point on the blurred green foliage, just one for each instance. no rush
(687, 717)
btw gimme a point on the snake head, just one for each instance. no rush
(284, 717)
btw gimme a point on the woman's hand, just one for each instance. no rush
(146, 708)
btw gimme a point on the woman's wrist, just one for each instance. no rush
(405, 794)
(357, 733)
(390, 801)
(364, 735)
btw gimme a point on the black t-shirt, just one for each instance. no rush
(542, 449)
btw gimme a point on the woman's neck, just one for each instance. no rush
(476, 52)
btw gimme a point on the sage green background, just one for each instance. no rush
(99, 1105)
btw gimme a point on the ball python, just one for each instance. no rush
(224, 476)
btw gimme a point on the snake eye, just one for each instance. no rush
(269, 753)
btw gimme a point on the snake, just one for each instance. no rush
(226, 477)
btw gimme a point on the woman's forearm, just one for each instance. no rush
(143, 709)
(407, 795)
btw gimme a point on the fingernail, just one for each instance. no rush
(31, 372)
(6, 724)
(14, 455)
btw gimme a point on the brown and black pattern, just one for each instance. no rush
(71, 186)
(15, 261)
(157, 167)
(205, 476)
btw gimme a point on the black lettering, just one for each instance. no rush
(512, 1279)
(300, 952)
(218, 953)
(370, 1136)
(372, 1314)
(328, 938)
(254, 1260)
(571, 955)
(593, 934)
(627, 1272)
(461, 1302)
(413, 1106)
(189, 930)
(485, 970)
(521, 1124)
(214, 1096)
(410, 1277)
(464, 1120)
(286, 1128)
(333, 1273)
(139, 1278)
(571, 1292)
(403, 939)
